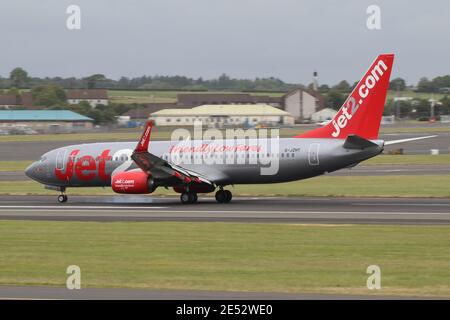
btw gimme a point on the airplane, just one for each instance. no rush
(348, 139)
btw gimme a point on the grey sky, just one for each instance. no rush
(287, 39)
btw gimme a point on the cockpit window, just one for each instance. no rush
(43, 159)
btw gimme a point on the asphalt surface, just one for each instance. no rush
(241, 209)
(24, 150)
(59, 293)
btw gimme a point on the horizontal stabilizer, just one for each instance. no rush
(356, 142)
(387, 143)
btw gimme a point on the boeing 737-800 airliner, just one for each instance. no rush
(202, 166)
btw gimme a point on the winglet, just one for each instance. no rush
(142, 145)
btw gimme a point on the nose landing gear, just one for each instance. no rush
(62, 197)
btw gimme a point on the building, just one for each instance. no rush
(93, 96)
(323, 115)
(198, 99)
(9, 101)
(303, 103)
(224, 116)
(45, 120)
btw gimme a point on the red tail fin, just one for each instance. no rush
(142, 145)
(361, 112)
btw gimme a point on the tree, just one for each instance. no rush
(334, 100)
(397, 84)
(342, 86)
(425, 85)
(441, 82)
(93, 80)
(48, 95)
(324, 88)
(19, 77)
(445, 105)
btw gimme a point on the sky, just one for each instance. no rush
(286, 39)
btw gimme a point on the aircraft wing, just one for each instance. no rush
(159, 167)
(387, 143)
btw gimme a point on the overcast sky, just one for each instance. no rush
(287, 39)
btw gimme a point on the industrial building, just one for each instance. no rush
(220, 116)
(323, 115)
(93, 96)
(301, 103)
(45, 121)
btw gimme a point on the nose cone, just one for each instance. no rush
(31, 171)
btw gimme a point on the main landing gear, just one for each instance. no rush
(223, 196)
(188, 197)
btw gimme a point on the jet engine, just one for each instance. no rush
(133, 182)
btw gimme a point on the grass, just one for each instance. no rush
(14, 165)
(324, 186)
(414, 260)
(165, 134)
(158, 96)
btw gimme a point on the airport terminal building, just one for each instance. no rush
(221, 116)
(45, 121)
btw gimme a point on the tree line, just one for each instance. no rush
(50, 93)
(19, 78)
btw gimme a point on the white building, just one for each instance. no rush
(93, 96)
(224, 115)
(323, 115)
(302, 103)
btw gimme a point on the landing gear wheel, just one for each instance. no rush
(228, 195)
(62, 198)
(223, 196)
(184, 197)
(188, 197)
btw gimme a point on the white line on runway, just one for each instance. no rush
(78, 207)
(241, 212)
(403, 204)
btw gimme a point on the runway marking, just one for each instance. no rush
(200, 212)
(78, 207)
(403, 204)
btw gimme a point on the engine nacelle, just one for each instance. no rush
(133, 182)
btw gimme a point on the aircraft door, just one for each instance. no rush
(313, 154)
(60, 159)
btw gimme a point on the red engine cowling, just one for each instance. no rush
(133, 182)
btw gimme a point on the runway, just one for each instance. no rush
(241, 209)
(60, 293)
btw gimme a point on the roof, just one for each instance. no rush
(223, 98)
(92, 94)
(41, 115)
(326, 111)
(224, 110)
(143, 113)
